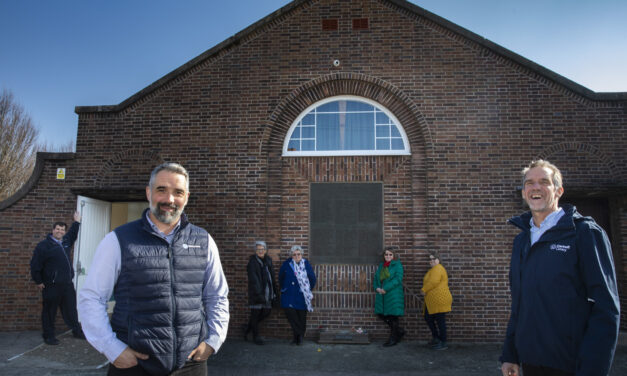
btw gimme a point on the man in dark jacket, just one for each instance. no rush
(52, 271)
(565, 309)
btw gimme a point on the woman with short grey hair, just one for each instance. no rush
(297, 279)
(262, 290)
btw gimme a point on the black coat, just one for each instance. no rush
(51, 261)
(258, 279)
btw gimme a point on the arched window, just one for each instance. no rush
(346, 125)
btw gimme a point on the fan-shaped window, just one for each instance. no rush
(346, 125)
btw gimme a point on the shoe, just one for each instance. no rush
(246, 330)
(294, 340)
(440, 346)
(51, 341)
(299, 340)
(257, 340)
(434, 341)
(78, 334)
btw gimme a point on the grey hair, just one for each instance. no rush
(261, 243)
(171, 167)
(296, 248)
(557, 174)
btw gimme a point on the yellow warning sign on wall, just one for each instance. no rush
(60, 174)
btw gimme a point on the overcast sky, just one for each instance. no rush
(58, 54)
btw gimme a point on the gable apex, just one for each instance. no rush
(407, 8)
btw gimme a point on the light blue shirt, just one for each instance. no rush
(100, 283)
(549, 222)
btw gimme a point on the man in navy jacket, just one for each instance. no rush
(51, 269)
(565, 309)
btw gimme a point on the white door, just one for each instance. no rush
(95, 224)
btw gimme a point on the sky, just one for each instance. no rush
(59, 54)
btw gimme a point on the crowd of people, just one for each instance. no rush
(172, 309)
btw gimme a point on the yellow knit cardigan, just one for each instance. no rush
(438, 297)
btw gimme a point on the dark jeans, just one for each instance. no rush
(529, 370)
(190, 369)
(58, 296)
(256, 316)
(438, 319)
(298, 320)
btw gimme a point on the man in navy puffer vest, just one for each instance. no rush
(171, 310)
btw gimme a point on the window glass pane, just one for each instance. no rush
(309, 119)
(383, 131)
(383, 144)
(397, 144)
(328, 132)
(382, 118)
(293, 145)
(359, 134)
(395, 132)
(358, 106)
(329, 107)
(308, 145)
(296, 133)
(308, 132)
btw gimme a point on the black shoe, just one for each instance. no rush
(257, 340)
(434, 341)
(51, 341)
(78, 334)
(440, 346)
(299, 340)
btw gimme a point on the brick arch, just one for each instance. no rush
(582, 164)
(127, 168)
(346, 83)
(343, 83)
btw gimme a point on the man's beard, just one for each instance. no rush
(164, 216)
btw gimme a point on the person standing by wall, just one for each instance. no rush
(51, 269)
(565, 310)
(171, 297)
(262, 290)
(297, 279)
(389, 302)
(437, 301)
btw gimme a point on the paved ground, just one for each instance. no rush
(23, 354)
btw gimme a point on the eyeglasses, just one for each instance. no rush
(296, 254)
(389, 254)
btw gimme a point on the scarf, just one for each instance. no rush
(303, 282)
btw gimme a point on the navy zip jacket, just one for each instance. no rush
(51, 262)
(159, 309)
(565, 307)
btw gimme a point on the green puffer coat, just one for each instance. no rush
(393, 302)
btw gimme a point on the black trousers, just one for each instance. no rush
(298, 320)
(530, 370)
(189, 369)
(438, 319)
(256, 316)
(58, 296)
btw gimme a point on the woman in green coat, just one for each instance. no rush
(389, 301)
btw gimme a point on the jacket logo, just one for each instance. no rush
(190, 246)
(560, 247)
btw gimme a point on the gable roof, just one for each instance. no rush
(240, 37)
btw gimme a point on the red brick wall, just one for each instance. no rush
(473, 119)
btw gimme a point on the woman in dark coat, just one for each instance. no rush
(261, 289)
(297, 279)
(389, 303)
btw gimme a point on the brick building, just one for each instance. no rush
(268, 124)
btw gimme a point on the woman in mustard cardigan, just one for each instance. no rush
(437, 301)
